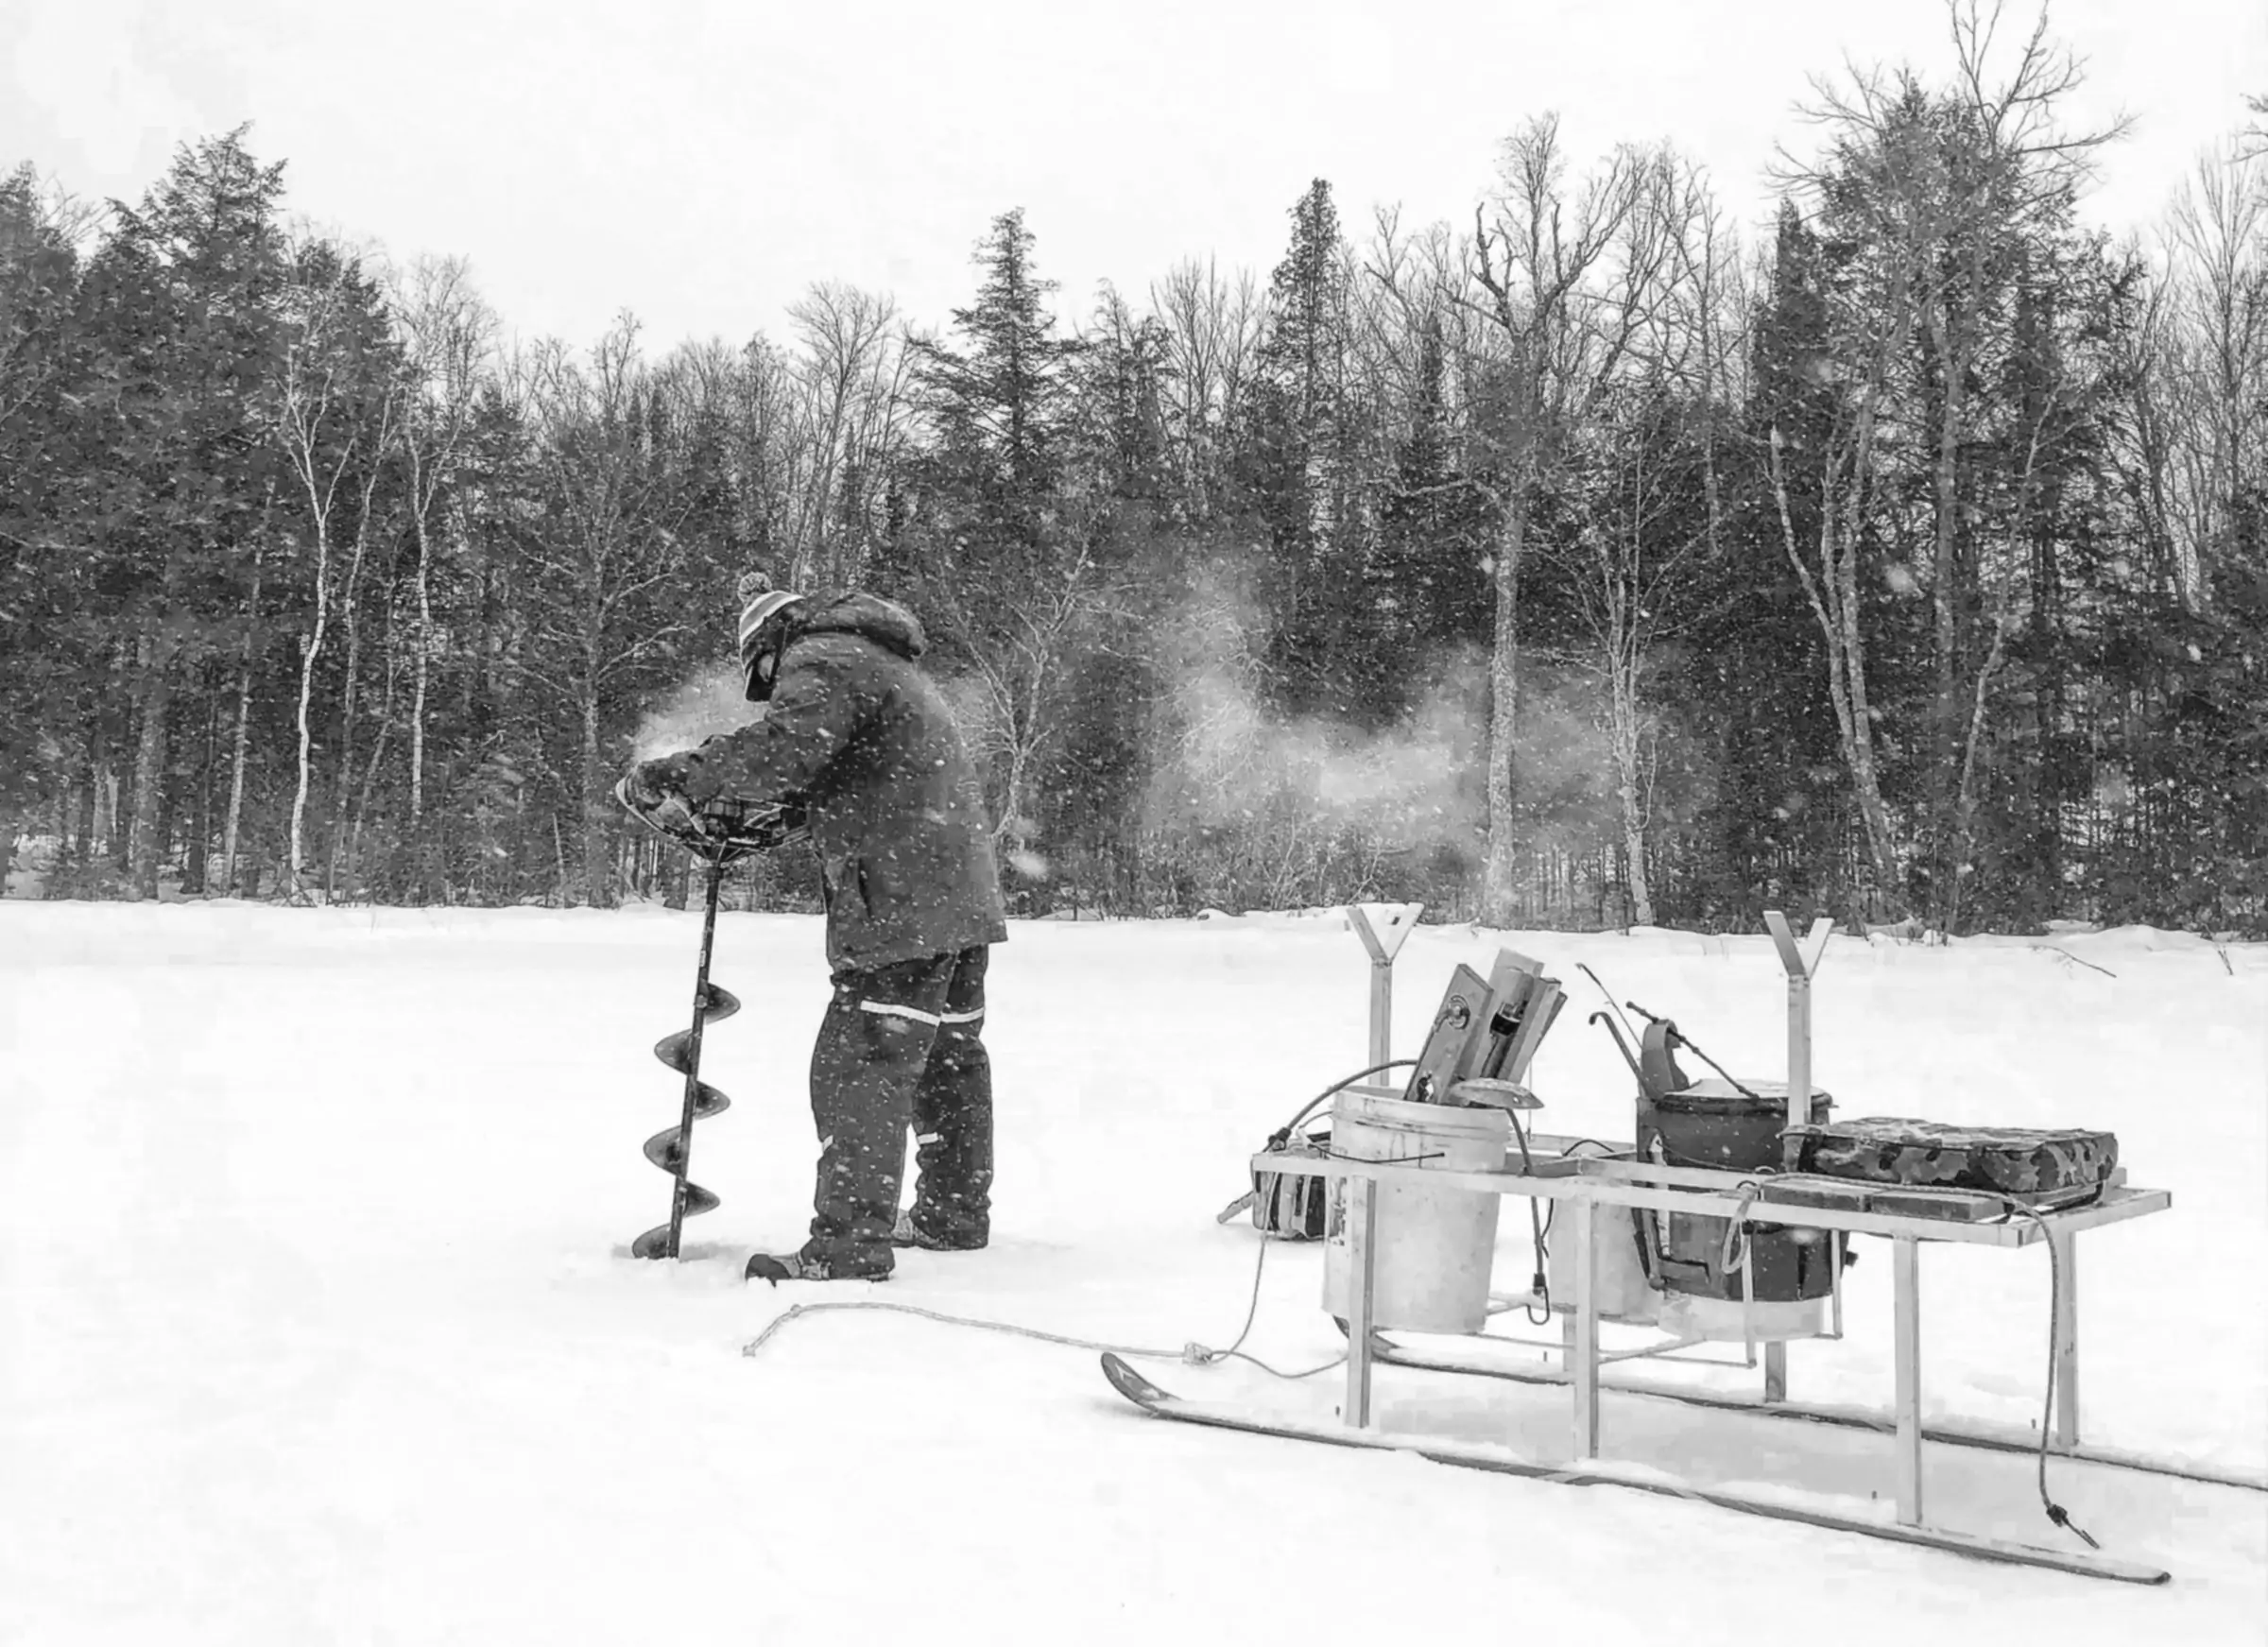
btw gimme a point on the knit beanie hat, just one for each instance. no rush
(763, 617)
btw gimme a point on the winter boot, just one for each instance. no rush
(906, 1233)
(795, 1266)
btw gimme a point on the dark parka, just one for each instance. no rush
(863, 741)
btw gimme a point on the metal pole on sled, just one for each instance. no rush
(1382, 938)
(1800, 962)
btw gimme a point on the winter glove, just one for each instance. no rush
(656, 791)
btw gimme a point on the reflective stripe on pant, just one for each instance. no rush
(901, 1045)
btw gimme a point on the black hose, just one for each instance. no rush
(1539, 1285)
(2056, 1512)
(1283, 1135)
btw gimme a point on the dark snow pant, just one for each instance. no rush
(901, 1045)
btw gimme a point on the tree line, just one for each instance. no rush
(1580, 564)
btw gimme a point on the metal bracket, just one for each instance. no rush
(1800, 965)
(1384, 928)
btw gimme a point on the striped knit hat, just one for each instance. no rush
(763, 613)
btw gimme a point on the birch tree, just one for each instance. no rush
(336, 420)
(447, 333)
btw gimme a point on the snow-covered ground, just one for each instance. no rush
(319, 1325)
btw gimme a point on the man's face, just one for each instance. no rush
(763, 670)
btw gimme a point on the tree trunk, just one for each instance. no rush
(350, 610)
(154, 659)
(310, 650)
(598, 885)
(244, 712)
(200, 838)
(423, 656)
(1011, 819)
(1499, 886)
(237, 757)
(558, 856)
(1948, 334)
(1632, 791)
(1834, 600)
(1865, 778)
(386, 722)
(114, 837)
(90, 802)
(1022, 720)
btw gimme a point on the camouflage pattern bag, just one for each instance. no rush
(1293, 1206)
(2004, 1160)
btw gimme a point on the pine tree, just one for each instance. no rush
(1301, 449)
(39, 581)
(180, 316)
(1000, 404)
(1769, 789)
(1003, 555)
(1425, 583)
(1118, 394)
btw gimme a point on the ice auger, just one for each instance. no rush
(719, 834)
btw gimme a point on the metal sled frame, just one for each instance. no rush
(1591, 1181)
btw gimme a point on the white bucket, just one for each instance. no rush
(1618, 1284)
(1430, 1257)
(1730, 1321)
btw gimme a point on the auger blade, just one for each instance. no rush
(655, 1241)
(671, 1149)
(666, 1151)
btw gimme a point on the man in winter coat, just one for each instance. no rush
(860, 740)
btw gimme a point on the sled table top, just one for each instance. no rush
(1963, 1215)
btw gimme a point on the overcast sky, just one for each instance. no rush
(700, 162)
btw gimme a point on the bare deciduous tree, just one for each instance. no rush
(446, 334)
(2210, 358)
(611, 545)
(336, 425)
(1566, 286)
(1646, 451)
(1213, 326)
(851, 377)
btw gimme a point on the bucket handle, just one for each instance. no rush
(1333, 1155)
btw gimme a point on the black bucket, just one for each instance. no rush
(1714, 1123)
